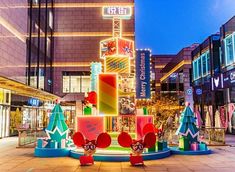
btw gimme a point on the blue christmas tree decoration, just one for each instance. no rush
(187, 126)
(57, 129)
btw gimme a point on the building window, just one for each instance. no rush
(66, 83)
(208, 62)
(194, 67)
(229, 50)
(204, 64)
(76, 82)
(50, 19)
(199, 67)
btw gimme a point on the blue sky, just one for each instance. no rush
(166, 26)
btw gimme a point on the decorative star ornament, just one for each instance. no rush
(57, 135)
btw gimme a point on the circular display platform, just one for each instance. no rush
(49, 152)
(121, 157)
(176, 151)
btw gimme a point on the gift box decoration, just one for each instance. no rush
(164, 144)
(184, 143)
(145, 110)
(87, 110)
(203, 147)
(152, 149)
(194, 146)
(159, 146)
(63, 143)
(40, 143)
(53, 144)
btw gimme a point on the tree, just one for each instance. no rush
(187, 126)
(57, 129)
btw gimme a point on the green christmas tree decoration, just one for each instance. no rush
(57, 129)
(188, 128)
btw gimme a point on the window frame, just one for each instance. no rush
(232, 36)
(80, 77)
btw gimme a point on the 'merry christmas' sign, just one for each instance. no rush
(143, 74)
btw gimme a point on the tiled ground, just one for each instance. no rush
(18, 159)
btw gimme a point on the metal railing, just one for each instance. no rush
(28, 137)
(209, 135)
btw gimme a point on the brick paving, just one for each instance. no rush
(22, 160)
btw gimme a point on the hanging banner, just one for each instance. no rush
(96, 68)
(143, 74)
(117, 64)
(108, 94)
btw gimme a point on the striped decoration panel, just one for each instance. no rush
(108, 94)
(117, 64)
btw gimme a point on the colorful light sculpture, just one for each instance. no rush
(108, 94)
(116, 47)
(117, 64)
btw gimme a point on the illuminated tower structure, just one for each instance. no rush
(117, 54)
(115, 84)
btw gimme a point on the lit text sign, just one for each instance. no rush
(143, 74)
(117, 11)
(33, 102)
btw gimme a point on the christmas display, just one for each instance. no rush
(116, 109)
(188, 128)
(89, 146)
(189, 142)
(137, 146)
(58, 141)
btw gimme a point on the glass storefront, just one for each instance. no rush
(5, 99)
(69, 114)
(76, 82)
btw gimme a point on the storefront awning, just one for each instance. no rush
(25, 90)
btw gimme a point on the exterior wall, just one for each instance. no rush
(74, 53)
(158, 63)
(13, 41)
(183, 89)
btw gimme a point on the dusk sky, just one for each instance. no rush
(166, 26)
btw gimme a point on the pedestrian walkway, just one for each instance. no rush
(230, 139)
(14, 159)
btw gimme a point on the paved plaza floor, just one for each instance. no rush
(14, 159)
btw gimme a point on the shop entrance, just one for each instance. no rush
(4, 121)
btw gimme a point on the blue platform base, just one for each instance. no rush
(49, 152)
(123, 157)
(176, 151)
(112, 157)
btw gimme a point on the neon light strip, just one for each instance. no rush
(175, 68)
(83, 34)
(75, 5)
(159, 66)
(13, 30)
(158, 85)
(55, 64)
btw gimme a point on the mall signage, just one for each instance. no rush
(229, 78)
(123, 12)
(217, 82)
(198, 91)
(33, 102)
(143, 74)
